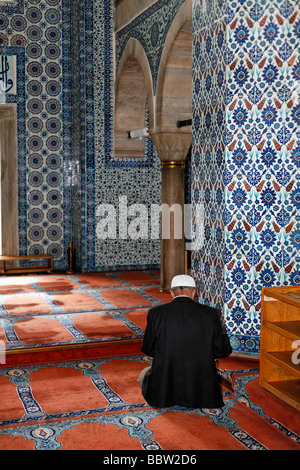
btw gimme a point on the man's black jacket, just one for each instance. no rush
(184, 338)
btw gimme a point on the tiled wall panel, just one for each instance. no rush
(259, 151)
(66, 172)
(108, 179)
(35, 33)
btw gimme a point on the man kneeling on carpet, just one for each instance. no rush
(184, 338)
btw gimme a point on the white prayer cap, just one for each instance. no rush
(182, 280)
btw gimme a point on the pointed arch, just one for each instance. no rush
(133, 92)
(174, 85)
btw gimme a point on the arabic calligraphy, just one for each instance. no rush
(6, 74)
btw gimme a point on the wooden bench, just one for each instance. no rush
(28, 269)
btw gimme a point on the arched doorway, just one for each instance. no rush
(134, 101)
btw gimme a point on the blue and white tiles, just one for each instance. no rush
(246, 144)
(36, 35)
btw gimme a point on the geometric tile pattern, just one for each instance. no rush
(37, 31)
(259, 151)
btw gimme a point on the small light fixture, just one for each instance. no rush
(138, 134)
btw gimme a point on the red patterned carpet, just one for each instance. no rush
(89, 405)
(49, 318)
(70, 378)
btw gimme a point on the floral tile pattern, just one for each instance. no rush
(246, 163)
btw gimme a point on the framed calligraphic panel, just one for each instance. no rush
(8, 76)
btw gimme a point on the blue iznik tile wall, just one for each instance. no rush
(65, 102)
(37, 33)
(246, 155)
(109, 179)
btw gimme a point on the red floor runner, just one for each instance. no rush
(98, 404)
